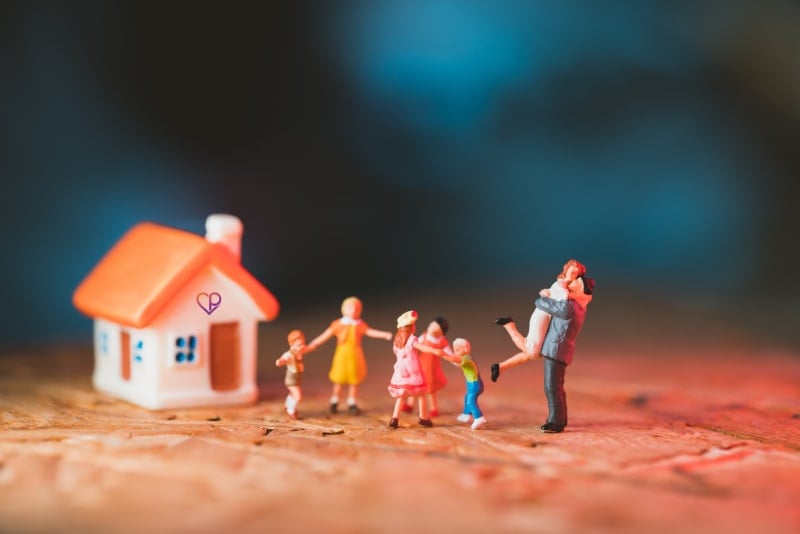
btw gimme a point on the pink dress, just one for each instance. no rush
(407, 379)
(432, 365)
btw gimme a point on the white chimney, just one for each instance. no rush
(227, 230)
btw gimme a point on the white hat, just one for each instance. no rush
(407, 319)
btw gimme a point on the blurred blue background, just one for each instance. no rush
(395, 146)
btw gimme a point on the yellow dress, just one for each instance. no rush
(348, 365)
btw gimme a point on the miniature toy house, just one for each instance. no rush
(176, 316)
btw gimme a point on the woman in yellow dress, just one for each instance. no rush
(348, 365)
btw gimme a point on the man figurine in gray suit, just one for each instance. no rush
(558, 347)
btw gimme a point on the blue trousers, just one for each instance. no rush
(554, 371)
(474, 389)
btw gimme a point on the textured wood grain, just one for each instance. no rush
(693, 438)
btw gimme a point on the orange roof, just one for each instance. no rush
(148, 266)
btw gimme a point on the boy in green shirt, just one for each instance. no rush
(463, 359)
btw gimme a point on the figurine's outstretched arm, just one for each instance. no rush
(444, 354)
(319, 340)
(378, 334)
(452, 358)
(425, 348)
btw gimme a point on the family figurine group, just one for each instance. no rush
(554, 326)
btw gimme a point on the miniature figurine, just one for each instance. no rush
(463, 359)
(558, 346)
(434, 337)
(176, 317)
(531, 346)
(348, 365)
(293, 360)
(408, 379)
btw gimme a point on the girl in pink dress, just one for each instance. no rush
(408, 379)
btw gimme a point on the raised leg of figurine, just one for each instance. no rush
(531, 346)
(352, 398)
(513, 361)
(424, 416)
(408, 405)
(516, 337)
(517, 359)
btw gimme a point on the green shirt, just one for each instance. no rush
(469, 368)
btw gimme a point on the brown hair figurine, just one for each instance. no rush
(408, 379)
(293, 360)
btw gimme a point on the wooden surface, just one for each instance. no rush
(693, 438)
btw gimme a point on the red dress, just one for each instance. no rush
(432, 365)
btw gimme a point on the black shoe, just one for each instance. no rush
(334, 407)
(552, 428)
(495, 372)
(393, 422)
(502, 321)
(425, 422)
(353, 410)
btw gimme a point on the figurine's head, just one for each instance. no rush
(296, 339)
(572, 270)
(461, 347)
(351, 307)
(581, 289)
(409, 318)
(438, 327)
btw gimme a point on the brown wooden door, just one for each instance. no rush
(125, 355)
(224, 360)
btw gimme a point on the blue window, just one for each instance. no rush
(186, 349)
(137, 351)
(103, 342)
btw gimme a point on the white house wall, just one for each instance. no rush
(106, 350)
(107, 374)
(189, 384)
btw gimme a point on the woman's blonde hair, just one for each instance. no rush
(352, 300)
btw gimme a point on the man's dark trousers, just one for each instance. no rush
(554, 371)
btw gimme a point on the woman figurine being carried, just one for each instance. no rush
(531, 346)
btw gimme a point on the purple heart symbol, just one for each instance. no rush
(209, 302)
